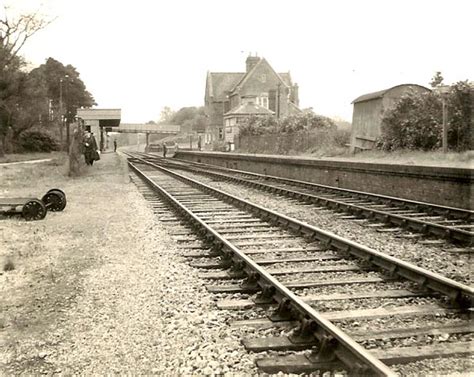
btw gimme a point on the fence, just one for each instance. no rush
(293, 143)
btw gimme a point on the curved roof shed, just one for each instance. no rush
(369, 110)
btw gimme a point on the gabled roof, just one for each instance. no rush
(250, 73)
(220, 83)
(249, 109)
(381, 93)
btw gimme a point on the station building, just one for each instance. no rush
(260, 90)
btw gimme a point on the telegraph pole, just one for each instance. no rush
(445, 125)
(65, 117)
(444, 91)
(278, 101)
(61, 114)
(61, 111)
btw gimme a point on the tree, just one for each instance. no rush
(15, 32)
(166, 115)
(10, 78)
(416, 120)
(199, 123)
(32, 100)
(190, 119)
(27, 104)
(13, 35)
(460, 118)
(186, 113)
(437, 80)
(60, 78)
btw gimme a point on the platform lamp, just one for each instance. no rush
(443, 91)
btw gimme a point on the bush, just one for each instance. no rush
(38, 141)
(415, 123)
(290, 124)
(306, 122)
(460, 112)
(254, 125)
(342, 137)
(219, 145)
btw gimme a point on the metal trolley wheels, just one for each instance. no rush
(34, 209)
(55, 200)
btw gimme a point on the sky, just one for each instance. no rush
(143, 55)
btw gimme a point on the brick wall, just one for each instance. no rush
(451, 187)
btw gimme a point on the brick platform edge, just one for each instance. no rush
(440, 185)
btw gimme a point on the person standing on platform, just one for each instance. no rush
(90, 149)
(165, 149)
(115, 145)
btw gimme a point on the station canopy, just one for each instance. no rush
(105, 117)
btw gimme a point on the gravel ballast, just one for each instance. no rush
(436, 259)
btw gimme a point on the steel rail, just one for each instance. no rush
(458, 212)
(358, 353)
(415, 224)
(459, 293)
(439, 230)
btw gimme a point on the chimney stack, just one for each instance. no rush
(251, 62)
(295, 98)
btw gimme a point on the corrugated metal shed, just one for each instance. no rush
(381, 93)
(369, 110)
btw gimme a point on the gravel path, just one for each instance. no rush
(120, 299)
(25, 162)
(145, 311)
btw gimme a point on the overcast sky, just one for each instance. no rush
(142, 55)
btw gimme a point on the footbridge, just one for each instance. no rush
(163, 130)
(103, 121)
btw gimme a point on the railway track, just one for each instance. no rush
(389, 214)
(330, 301)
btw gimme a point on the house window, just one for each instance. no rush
(263, 100)
(221, 133)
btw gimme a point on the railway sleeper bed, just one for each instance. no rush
(329, 348)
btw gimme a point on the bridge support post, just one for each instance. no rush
(101, 142)
(147, 146)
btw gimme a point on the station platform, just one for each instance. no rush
(443, 185)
